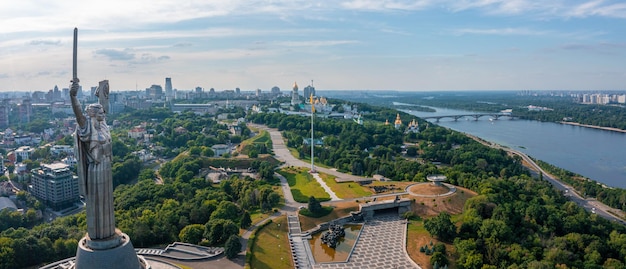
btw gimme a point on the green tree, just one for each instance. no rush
(314, 205)
(441, 226)
(226, 210)
(439, 258)
(232, 247)
(217, 231)
(191, 233)
(246, 221)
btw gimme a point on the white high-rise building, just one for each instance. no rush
(55, 184)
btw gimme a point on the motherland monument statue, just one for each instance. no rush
(103, 246)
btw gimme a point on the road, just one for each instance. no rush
(589, 204)
(282, 153)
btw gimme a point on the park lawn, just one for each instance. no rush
(342, 209)
(271, 248)
(345, 190)
(303, 185)
(417, 237)
(263, 137)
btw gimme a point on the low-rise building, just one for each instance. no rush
(6, 203)
(24, 152)
(58, 149)
(137, 132)
(220, 149)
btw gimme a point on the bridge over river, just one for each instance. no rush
(476, 116)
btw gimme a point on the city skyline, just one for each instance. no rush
(343, 45)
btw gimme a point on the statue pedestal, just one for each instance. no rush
(116, 252)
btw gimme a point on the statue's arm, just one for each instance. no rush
(80, 117)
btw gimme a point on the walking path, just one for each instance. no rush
(299, 244)
(333, 196)
(382, 243)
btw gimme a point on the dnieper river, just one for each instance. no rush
(597, 154)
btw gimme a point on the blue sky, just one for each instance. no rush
(348, 45)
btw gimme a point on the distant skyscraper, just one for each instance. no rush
(275, 90)
(237, 91)
(5, 109)
(295, 98)
(168, 87)
(308, 91)
(26, 111)
(56, 94)
(258, 92)
(155, 92)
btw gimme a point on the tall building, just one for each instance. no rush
(26, 111)
(5, 109)
(309, 90)
(168, 88)
(55, 185)
(155, 92)
(275, 90)
(295, 98)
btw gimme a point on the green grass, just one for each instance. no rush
(263, 137)
(340, 210)
(345, 190)
(303, 185)
(325, 211)
(271, 247)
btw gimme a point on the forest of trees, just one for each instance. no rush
(185, 207)
(516, 221)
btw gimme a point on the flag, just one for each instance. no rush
(312, 106)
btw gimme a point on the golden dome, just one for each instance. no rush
(398, 121)
(295, 85)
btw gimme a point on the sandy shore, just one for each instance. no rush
(593, 126)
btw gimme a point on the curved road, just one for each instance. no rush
(590, 204)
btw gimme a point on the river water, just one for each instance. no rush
(596, 154)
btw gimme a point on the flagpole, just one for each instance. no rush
(312, 142)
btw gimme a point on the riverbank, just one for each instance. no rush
(590, 204)
(593, 126)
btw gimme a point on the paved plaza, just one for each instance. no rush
(381, 245)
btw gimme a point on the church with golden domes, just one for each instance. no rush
(398, 122)
(295, 98)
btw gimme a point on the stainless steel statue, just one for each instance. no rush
(93, 156)
(104, 246)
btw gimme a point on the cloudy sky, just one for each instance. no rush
(349, 45)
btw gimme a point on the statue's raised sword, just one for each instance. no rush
(74, 72)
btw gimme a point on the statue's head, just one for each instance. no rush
(95, 111)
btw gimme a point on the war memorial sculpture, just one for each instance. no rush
(103, 246)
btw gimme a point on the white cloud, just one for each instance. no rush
(598, 8)
(384, 5)
(316, 43)
(500, 31)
